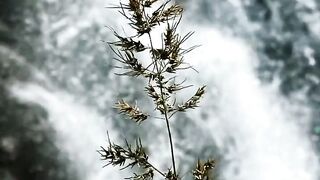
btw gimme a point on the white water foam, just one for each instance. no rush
(256, 129)
(80, 129)
(253, 125)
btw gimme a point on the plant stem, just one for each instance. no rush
(165, 108)
(157, 170)
(171, 144)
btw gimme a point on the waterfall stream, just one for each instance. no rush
(256, 127)
(260, 133)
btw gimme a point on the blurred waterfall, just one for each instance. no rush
(81, 130)
(258, 132)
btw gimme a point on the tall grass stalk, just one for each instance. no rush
(161, 84)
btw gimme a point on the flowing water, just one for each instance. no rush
(256, 131)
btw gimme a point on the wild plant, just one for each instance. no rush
(159, 73)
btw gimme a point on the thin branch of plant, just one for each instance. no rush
(160, 74)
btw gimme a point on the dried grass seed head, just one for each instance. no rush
(202, 170)
(133, 112)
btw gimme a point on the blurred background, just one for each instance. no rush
(260, 60)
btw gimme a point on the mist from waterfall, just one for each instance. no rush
(81, 130)
(259, 133)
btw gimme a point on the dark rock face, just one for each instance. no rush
(27, 148)
(290, 48)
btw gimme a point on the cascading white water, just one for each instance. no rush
(256, 129)
(81, 130)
